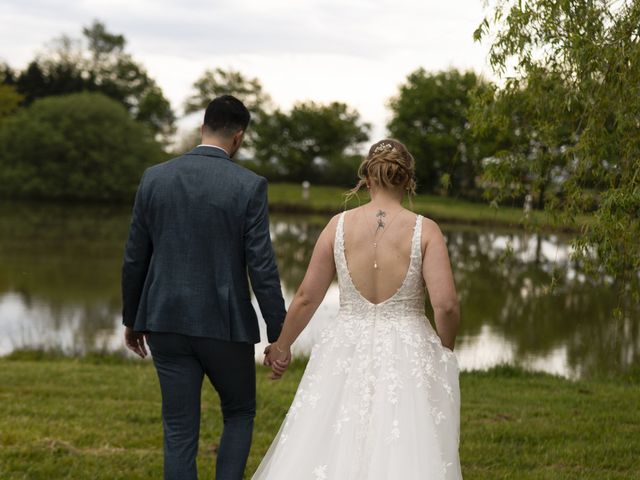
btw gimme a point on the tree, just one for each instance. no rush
(9, 101)
(592, 47)
(98, 62)
(119, 76)
(311, 142)
(527, 149)
(37, 81)
(7, 75)
(430, 115)
(78, 146)
(9, 97)
(213, 83)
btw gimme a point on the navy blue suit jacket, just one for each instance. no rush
(200, 224)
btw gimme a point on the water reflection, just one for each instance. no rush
(540, 304)
(59, 276)
(523, 300)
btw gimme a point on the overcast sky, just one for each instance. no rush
(353, 51)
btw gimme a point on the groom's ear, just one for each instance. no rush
(239, 135)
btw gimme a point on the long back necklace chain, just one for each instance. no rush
(381, 225)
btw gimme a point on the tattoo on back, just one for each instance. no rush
(381, 214)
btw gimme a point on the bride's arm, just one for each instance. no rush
(436, 270)
(312, 290)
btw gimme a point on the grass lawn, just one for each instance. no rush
(99, 418)
(287, 197)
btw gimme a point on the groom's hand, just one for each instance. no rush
(135, 342)
(278, 359)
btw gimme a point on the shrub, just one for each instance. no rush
(74, 147)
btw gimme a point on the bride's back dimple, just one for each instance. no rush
(392, 255)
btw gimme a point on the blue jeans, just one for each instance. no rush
(181, 362)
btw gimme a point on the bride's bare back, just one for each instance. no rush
(377, 247)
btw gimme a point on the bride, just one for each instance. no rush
(379, 399)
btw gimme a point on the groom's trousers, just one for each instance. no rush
(182, 362)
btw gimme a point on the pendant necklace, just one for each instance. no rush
(380, 216)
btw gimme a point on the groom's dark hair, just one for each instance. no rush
(226, 115)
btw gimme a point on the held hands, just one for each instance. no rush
(135, 342)
(278, 358)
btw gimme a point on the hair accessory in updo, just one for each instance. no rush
(388, 165)
(384, 147)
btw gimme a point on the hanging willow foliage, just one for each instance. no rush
(569, 93)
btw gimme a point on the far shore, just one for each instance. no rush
(322, 200)
(328, 200)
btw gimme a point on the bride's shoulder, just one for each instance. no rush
(429, 225)
(348, 214)
(333, 223)
(430, 231)
(329, 230)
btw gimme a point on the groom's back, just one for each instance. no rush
(198, 198)
(196, 207)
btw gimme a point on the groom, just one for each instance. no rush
(200, 224)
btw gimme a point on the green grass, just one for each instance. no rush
(287, 197)
(99, 418)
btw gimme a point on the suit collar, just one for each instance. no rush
(206, 151)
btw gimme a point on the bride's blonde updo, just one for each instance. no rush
(389, 165)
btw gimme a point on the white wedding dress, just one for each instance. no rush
(379, 399)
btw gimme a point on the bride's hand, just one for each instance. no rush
(278, 358)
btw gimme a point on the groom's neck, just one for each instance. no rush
(216, 141)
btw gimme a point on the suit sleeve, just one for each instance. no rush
(261, 262)
(137, 256)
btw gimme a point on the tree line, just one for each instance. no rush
(55, 99)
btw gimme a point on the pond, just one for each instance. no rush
(523, 300)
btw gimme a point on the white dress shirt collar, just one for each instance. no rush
(213, 146)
